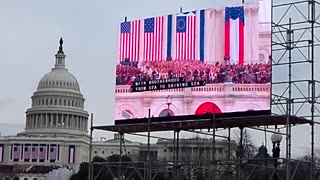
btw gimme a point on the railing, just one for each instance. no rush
(251, 88)
(209, 88)
(232, 169)
(221, 88)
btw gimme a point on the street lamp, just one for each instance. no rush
(276, 139)
(169, 102)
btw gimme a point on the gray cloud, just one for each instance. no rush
(6, 101)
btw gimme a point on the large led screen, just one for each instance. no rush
(189, 63)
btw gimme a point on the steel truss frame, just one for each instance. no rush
(294, 45)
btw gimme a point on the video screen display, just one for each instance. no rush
(202, 61)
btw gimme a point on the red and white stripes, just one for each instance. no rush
(186, 40)
(154, 41)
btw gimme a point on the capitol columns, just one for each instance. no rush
(251, 45)
(255, 32)
(214, 44)
(219, 29)
(248, 30)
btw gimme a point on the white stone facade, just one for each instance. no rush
(228, 97)
(195, 149)
(163, 150)
(61, 157)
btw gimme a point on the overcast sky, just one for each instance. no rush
(29, 34)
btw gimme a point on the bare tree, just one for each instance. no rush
(247, 149)
(307, 157)
(195, 150)
(196, 154)
(303, 167)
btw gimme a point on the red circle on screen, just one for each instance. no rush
(208, 107)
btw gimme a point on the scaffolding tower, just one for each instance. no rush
(295, 26)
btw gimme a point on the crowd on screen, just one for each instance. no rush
(193, 71)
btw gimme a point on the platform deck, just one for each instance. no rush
(204, 123)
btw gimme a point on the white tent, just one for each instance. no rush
(59, 174)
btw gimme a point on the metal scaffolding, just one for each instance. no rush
(294, 101)
(294, 47)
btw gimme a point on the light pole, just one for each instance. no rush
(276, 139)
(169, 102)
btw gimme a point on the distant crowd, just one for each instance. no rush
(193, 71)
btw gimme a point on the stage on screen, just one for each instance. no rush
(194, 63)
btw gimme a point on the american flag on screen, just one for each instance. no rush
(186, 36)
(153, 39)
(234, 34)
(129, 41)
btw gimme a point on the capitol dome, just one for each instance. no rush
(57, 104)
(59, 78)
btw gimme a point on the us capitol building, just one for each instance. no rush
(56, 132)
